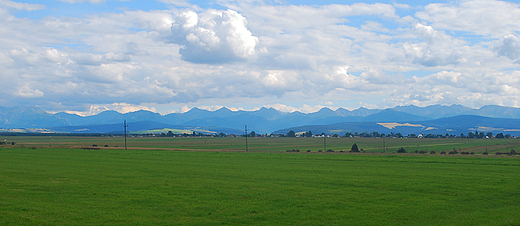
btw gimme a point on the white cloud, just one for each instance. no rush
(439, 49)
(21, 6)
(27, 92)
(304, 109)
(509, 47)
(213, 36)
(491, 18)
(119, 107)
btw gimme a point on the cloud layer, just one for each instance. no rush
(249, 54)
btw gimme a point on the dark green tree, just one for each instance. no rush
(354, 148)
(291, 134)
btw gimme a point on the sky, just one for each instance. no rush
(167, 56)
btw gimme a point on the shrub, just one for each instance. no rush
(452, 152)
(330, 150)
(308, 150)
(94, 145)
(401, 150)
(354, 148)
(443, 152)
(422, 152)
(485, 153)
(319, 151)
(106, 146)
(433, 152)
(472, 153)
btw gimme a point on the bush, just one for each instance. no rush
(106, 146)
(443, 152)
(308, 150)
(354, 148)
(319, 151)
(433, 152)
(472, 153)
(401, 150)
(330, 150)
(422, 152)
(452, 152)
(485, 153)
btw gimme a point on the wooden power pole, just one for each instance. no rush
(125, 125)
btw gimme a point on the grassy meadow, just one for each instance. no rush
(262, 144)
(212, 181)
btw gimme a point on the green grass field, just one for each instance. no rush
(271, 144)
(147, 185)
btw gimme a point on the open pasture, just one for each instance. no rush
(263, 144)
(65, 186)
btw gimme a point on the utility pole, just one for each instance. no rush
(125, 125)
(324, 142)
(384, 145)
(247, 148)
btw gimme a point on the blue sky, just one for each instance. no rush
(87, 56)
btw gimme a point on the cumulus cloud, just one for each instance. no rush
(439, 49)
(213, 36)
(509, 47)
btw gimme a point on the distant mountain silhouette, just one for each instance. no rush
(436, 118)
(462, 124)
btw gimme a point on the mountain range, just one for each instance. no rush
(439, 119)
